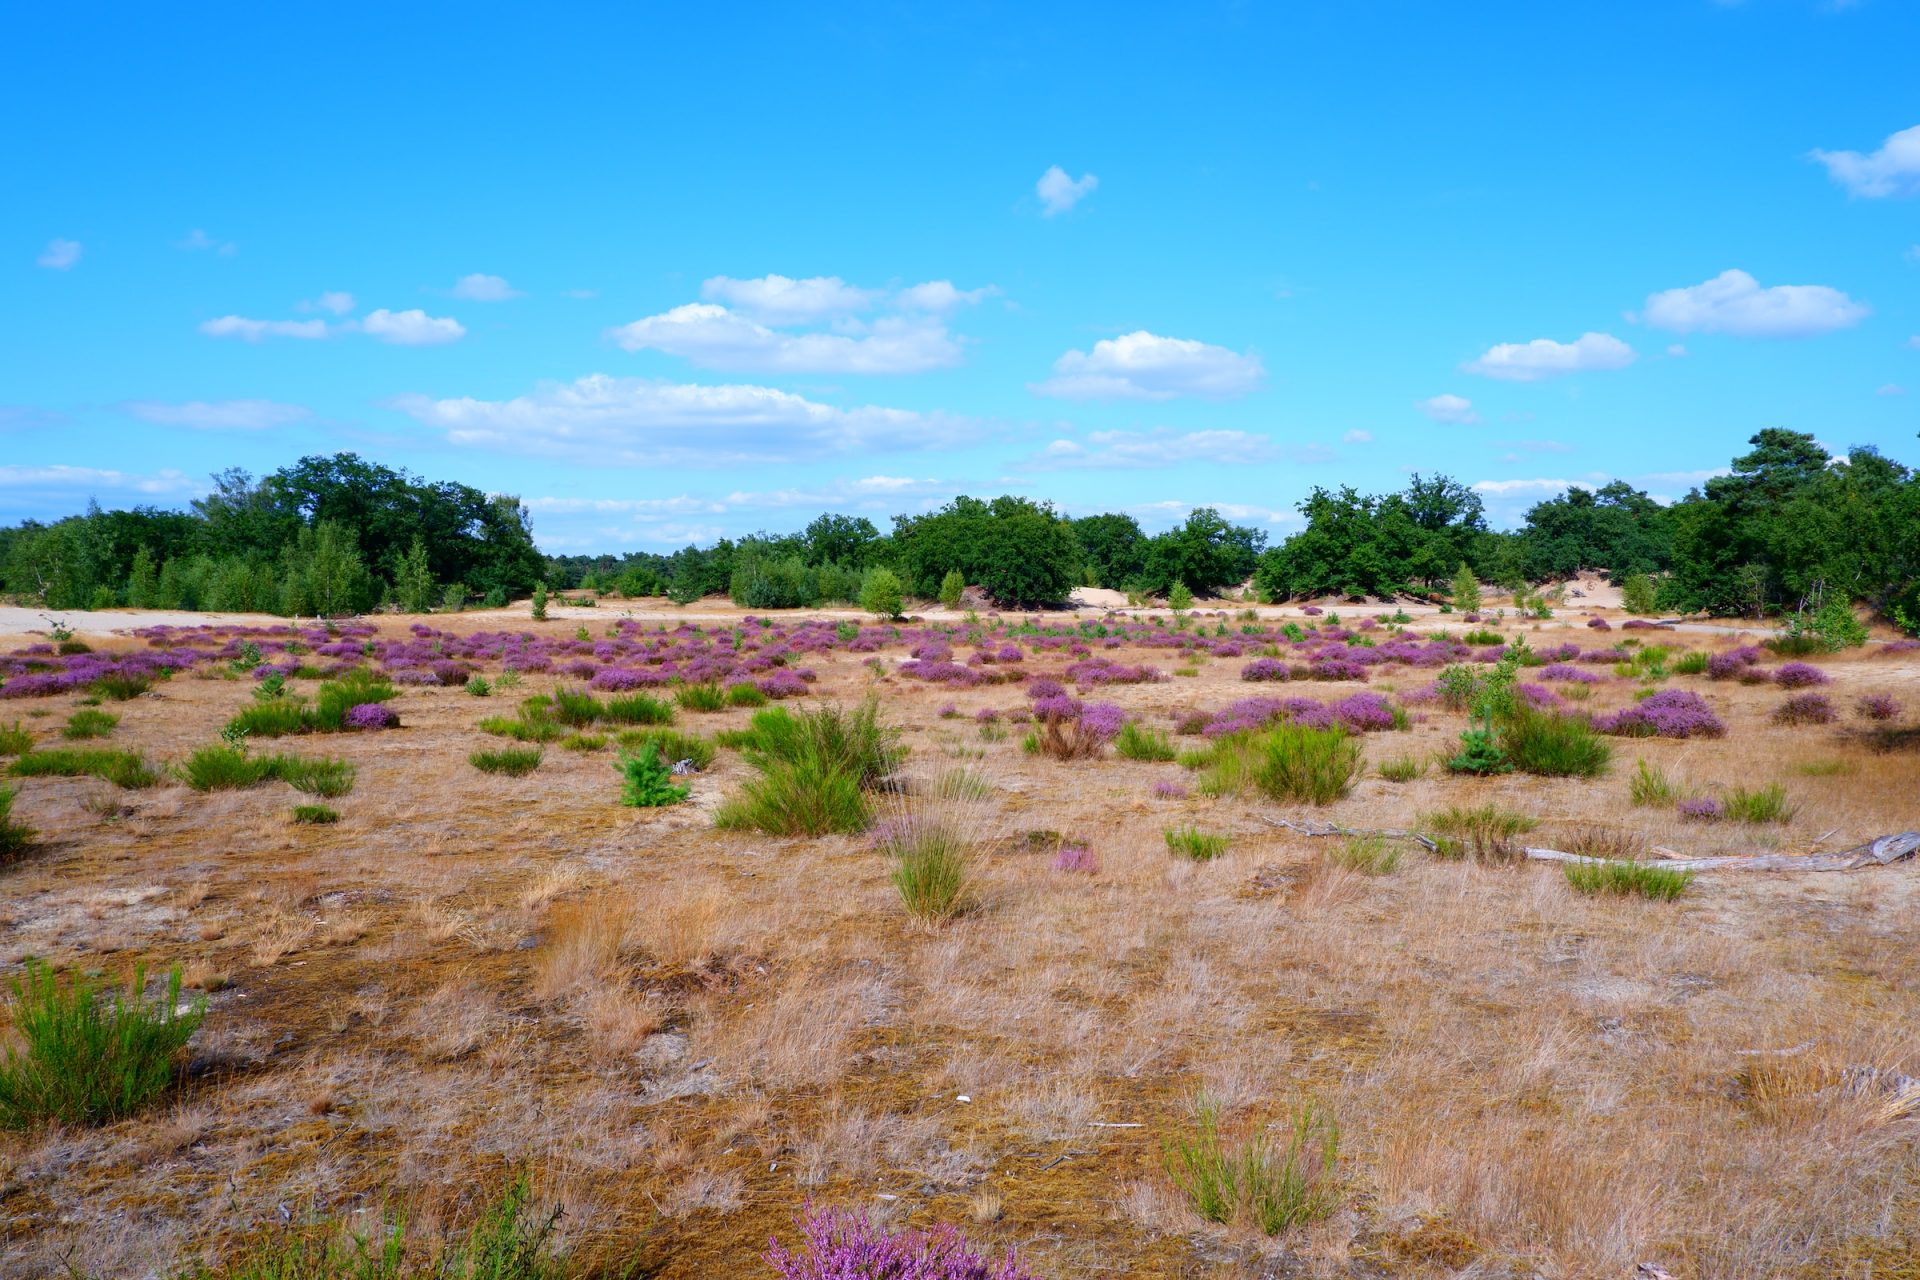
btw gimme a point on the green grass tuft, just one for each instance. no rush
(89, 723)
(90, 1060)
(1369, 855)
(15, 740)
(1621, 878)
(745, 695)
(1484, 832)
(1192, 842)
(1139, 742)
(638, 708)
(15, 837)
(1758, 805)
(673, 745)
(1402, 768)
(1554, 746)
(930, 871)
(701, 697)
(1272, 1189)
(1650, 787)
(514, 762)
(122, 768)
(314, 815)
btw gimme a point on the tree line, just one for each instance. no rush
(1788, 528)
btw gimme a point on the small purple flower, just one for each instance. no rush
(840, 1245)
(370, 715)
(1077, 858)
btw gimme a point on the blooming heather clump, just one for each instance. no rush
(1732, 663)
(1056, 706)
(1363, 712)
(838, 1245)
(1671, 713)
(1312, 611)
(1878, 707)
(1805, 708)
(1702, 809)
(1264, 669)
(782, 684)
(370, 715)
(1537, 696)
(1599, 624)
(1102, 720)
(986, 715)
(1076, 857)
(1044, 687)
(1166, 790)
(948, 711)
(1800, 675)
(1337, 669)
(1566, 671)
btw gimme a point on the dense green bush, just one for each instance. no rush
(646, 779)
(1554, 746)
(514, 762)
(88, 1059)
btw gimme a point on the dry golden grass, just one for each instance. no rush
(685, 1033)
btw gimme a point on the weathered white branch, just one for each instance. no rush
(1880, 852)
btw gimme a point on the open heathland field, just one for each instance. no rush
(614, 947)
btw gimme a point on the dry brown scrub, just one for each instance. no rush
(685, 1032)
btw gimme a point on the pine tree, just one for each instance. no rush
(413, 579)
(1179, 599)
(880, 593)
(143, 583)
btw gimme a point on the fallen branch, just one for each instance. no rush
(1313, 827)
(1875, 853)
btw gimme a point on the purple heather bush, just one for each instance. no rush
(948, 711)
(1166, 790)
(986, 715)
(1337, 669)
(782, 684)
(1363, 712)
(1102, 720)
(1805, 708)
(370, 715)
(1567, 671)
(1044, 687)
(1077, 858)
(1312, 611)
(1671, 713)
(1800, 675)
(1878, 707)
(847, 1246)
(1702, 809)
(1537, 696)
(1599, 624)
(1056, 706)
(1733, 662)
(1264, 669)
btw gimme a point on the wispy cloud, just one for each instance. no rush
(1165, 447)
(1733, 302)
(484, 288)
(59, 255)
(218, 415)
(1448, 408)
(64, 477)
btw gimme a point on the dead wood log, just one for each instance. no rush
(1315, 827)
(1874, 853)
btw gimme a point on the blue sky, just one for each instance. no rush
(668, 276)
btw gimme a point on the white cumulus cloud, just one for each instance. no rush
(640, 422)
(712, 337)
(1059, 193)
(1448, 408)
(1734, 302)
(59, 255)
(1146, 366)
(1893, 170)
(783, 300)
(483, 288)
(941, 296)
(249, 330)
(413, 328)
(1544, 358)
(218, 415)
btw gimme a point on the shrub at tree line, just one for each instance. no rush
(1790, 530)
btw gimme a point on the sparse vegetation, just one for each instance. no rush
(1137, 741)
(15, 837)
(1370, 855)
(89, 722)
(314, 815)
(1554, 746)
(646, 780)
(1402, 768)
